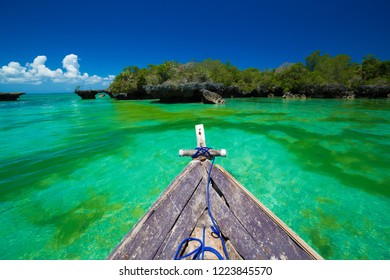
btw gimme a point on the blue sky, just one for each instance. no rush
(53, 46)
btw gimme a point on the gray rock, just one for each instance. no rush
(289, 95)
(212, 97)
(349, 95)
(91, 94)
(264, 90)
(183, 92)
(231, 91)
(324, 91)
(372, 91)
(134, 94)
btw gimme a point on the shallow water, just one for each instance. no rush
(77, 174)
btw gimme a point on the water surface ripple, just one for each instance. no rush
(77, 174)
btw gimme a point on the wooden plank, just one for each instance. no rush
(133, 232)
(214, 153)
(184, 225)
(294, 237)
(147, 236)
(233, 254)
(191, 166)
(231, 228)
(215, 242)
(267, 234)
(151, 236)
(253, 231)
(276, 239)
(240, 242)
(210, 239)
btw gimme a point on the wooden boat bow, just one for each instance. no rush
(249, 229)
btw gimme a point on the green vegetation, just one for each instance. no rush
(317, 71)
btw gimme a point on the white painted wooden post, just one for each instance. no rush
(200, 136)
(201, 142)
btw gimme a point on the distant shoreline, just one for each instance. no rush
(322, 76)
(180, 96)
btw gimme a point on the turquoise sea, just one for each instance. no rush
(77, 174)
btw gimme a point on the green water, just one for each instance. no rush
(77, 174)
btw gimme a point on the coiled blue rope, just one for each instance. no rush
(199, 252)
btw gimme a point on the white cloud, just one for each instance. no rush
(37, 73)
(70, 63)
(38, 69)
(12, 69)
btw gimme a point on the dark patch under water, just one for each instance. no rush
(77, 175)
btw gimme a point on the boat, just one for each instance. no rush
(205, 213)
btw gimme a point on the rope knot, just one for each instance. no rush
(202, 151)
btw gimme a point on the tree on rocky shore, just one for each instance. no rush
(319, 73)
(375, 71)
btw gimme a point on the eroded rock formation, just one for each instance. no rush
(10, 96)
(169, 92)
(289, 95)
(91, 94)
(211, 97)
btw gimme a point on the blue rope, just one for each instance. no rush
(215, 227)
(202, 151)
(202, 248)
(198, 251)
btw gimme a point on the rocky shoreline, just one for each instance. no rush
(215, 93)
(91, 94)
(194, 92)
(325, 91)
(184, 92)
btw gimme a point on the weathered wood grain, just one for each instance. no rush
(250, 229)
(185, 224)
(147, 236)
(200, 136)
(276, 239)
(232, 229)
(233, 254)
(211, 240)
